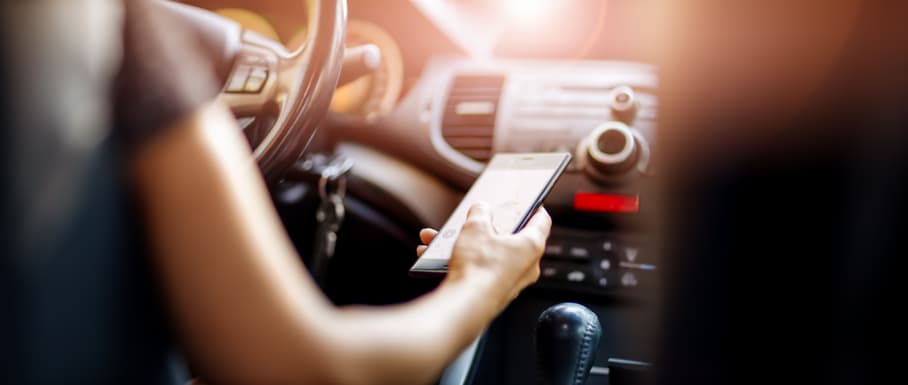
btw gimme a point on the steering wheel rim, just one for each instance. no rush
(294, 88)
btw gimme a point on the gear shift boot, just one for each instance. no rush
(567, 338)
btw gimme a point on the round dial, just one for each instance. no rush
(612, 149)
(613, 152)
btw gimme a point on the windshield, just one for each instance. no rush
(564, 29)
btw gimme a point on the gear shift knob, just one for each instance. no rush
(567, 338)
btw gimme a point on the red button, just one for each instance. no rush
(606, 203)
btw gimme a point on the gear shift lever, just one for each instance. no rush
(567, 338)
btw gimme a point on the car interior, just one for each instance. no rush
(732, 213)
(417, 124)
(414, 151)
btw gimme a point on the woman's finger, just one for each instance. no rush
(479, 218)
(426, 235)
(421, 249)
(541, 219)
(539, 226)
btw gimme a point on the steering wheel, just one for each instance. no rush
(278, 95)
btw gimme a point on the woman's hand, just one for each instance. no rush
(425, 236)
(501, 264)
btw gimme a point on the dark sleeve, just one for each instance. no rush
(164, 74)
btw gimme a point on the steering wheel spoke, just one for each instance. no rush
(278, 96)
(253, 80)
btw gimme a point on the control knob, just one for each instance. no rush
(611, 149)
(624, 104)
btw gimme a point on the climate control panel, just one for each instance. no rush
(596, 262)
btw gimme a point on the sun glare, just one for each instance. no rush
(527, 10)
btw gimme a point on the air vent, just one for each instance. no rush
(468, 124)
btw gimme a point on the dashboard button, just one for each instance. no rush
(631, 254)
(629, 279)
(554, 250)
(636, 266)
(576, 276)
(579, 252)
(605, 264)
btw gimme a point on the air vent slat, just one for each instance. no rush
(470, 142)
(491, 93)
(478, 81)
(468, 123)
(466, 130)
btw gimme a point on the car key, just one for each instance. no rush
(332, 187)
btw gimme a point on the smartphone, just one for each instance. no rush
(514, 185)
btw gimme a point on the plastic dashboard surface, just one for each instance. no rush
(542, 105)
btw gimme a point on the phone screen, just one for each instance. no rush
(513, 185)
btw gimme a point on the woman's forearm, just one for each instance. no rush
(411, 343)
(245, 308)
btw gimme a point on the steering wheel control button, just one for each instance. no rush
(237, 81)
(605, 264)
(256, 81)
(254, 85)
(259, 72)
